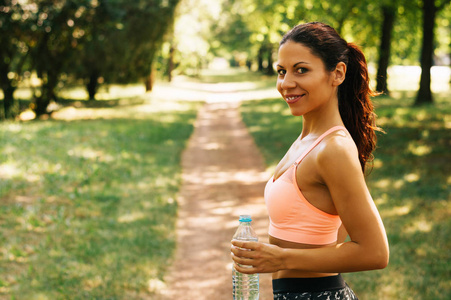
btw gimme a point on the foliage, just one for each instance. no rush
(14, 39)
(54, 39)
(106, 41)
(191, 37)
(235, 33)
(87, 206)
(80, 39)
(409, 184)
(144, 28)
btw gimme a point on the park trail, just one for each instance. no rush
(223, 176)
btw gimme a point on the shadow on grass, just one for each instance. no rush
(21, 105)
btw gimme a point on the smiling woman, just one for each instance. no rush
(305, 84)
(318, 195)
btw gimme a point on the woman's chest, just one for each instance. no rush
(293, 155)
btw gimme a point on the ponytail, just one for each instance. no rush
(355, 106)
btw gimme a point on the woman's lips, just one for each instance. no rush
(293, 98)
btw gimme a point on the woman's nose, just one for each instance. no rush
(288, 83)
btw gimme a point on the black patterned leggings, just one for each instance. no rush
(331, 288)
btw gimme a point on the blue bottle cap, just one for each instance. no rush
(245, 218)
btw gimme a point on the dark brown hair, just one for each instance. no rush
(355, 106)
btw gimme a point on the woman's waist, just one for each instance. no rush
(297, 273)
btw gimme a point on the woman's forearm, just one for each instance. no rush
(341, 258)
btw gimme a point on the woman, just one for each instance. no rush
(318, 195)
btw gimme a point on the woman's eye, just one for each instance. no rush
(302, 70)
(281, 72)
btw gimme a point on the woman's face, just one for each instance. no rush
(303, 80)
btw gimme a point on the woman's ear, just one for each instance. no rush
(339, 74)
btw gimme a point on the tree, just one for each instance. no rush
(255, 38)
(430, 9)
(197, 37)
(116, 40)
(389, 14)
(101, 22)
(121, 39)
(337, 13)
(15, 27)
(55, 40)
(145, 27)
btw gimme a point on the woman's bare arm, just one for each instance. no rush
(368, 247)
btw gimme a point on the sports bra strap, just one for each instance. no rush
(317, 141)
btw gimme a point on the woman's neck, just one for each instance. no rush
(318, 122)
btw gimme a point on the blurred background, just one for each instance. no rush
(50, 46)
(98, 99)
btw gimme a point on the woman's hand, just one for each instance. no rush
(255, 257)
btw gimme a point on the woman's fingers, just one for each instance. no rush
(242, 252)
(243, 265)
(245, 244)
(242, 261)
(245, 269)
(255, 257)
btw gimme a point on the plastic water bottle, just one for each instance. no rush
(245, 287)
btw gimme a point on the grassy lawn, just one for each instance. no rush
(409, 183)
(87, 207)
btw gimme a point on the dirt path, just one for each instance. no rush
(223, 177)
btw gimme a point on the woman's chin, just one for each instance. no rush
(296, 112)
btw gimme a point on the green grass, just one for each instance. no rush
(409, 183)
(87, 206)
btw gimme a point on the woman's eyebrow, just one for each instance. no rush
(298, 63)
(295, 65)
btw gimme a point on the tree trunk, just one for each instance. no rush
(41, 105)
(148, 83)
(47, 94)
(269, 68)
(171, 62)
(150, 79)
(93, 85)
(8, 89)
(384, 50)
(260, 58)
(8, 100)
(424, 95)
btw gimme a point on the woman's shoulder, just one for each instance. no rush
(337, 149)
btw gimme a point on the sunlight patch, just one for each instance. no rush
(131, 217)
(383, 183)
(212, 146)
(412, 177)
(419, 150)
(8, 171)
(420, 225)
(90, 153)
(398, 211)
(92, 283)
(155, 285)
(377, 163)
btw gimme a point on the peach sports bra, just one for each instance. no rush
(292, 217)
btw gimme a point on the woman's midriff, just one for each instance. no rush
(296, 273)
